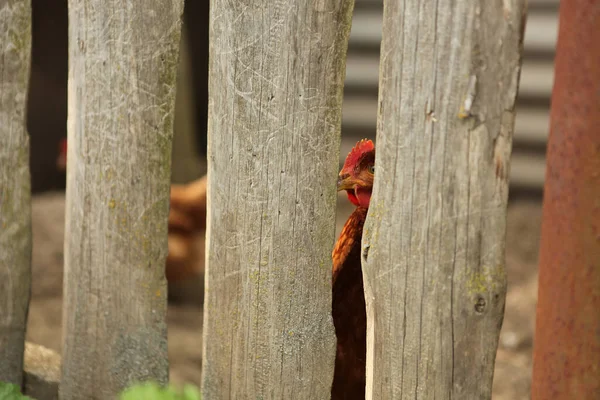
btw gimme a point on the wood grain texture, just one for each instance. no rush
(15, 187)
(433, 244)
(276, 85)
(123, 58)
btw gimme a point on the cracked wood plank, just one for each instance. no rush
(123, 58)
(15, 187)
(433, 244)
(276, 83)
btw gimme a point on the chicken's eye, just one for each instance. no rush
(372, 169)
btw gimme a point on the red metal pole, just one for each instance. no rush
(566, 362)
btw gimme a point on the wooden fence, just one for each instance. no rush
(433, 249)
(359, 114)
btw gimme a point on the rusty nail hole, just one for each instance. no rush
(480, 305)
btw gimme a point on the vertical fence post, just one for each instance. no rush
(433, 244)
(15, 187)
(123, 58)
(566, 362)
(276, 84)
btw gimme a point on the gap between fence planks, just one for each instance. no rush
(15, 186)
(123, 58)
(433, 244)
(276, 84)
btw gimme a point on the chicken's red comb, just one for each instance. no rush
(362, 146)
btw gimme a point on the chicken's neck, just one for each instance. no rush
(349, 240)
(349, 311)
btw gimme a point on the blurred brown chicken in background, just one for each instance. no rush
(187, 225)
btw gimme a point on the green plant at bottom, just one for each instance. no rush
(10, 391)
(153, 391)
(140, 391)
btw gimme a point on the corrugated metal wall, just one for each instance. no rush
(532, 121)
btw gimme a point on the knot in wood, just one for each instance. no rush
(480, 305)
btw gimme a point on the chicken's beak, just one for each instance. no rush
(344, 182)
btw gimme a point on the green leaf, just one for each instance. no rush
(191, 392)
(10, 391)
(153, 391)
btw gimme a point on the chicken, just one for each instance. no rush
(348, 300)
(187, 225)
(187, 222)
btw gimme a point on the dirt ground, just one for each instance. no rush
(513, 365)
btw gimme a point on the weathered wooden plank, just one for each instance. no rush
(540, 34)
(532, 4)
(276, 86)
(433, 244)
(536, 77)
(527, 169)
(123, 58)
(15, 187)
(360, 114)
